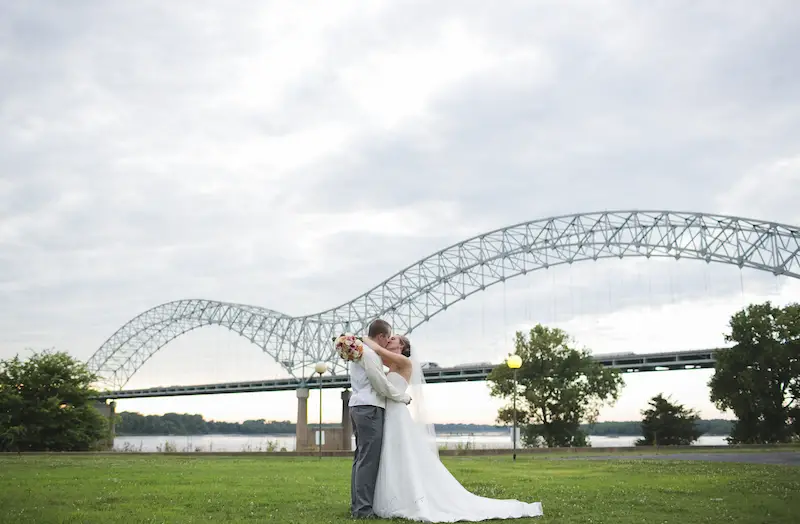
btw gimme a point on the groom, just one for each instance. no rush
(371, 388)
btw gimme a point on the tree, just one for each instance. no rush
(759, 377)
(559, 387)
(668, 424)
(45, 405)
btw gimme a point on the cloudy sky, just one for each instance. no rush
(294, 154)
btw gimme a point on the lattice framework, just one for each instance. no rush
(428, 287)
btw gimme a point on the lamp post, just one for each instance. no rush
(320, 367)
(514, 362)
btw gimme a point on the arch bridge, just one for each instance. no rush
(429, 286)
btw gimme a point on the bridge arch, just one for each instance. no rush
(428, 287)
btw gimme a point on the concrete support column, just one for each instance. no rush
(347, 430)
(109, 411)
(112, 407)
(301, 429)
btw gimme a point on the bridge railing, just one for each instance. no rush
(627, 362)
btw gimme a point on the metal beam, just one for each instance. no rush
(627, 362)
(428, 287)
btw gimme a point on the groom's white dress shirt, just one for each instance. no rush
(369, 382)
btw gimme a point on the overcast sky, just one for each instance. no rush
(293, 154)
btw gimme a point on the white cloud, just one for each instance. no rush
(773, 188)
(399, 85)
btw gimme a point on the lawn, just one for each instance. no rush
(223, 489)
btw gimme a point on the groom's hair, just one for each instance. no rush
(379, 327)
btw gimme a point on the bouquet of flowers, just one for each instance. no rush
(349, 347)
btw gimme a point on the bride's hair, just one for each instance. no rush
(406, 352)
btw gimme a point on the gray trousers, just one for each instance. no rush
(368, 429)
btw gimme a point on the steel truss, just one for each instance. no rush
(428, 287)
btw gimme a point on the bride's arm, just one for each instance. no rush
(374, 368)
(388, 356)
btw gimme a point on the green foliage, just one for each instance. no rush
(559, 387)
(129, 423)
(45, 405)
(470, 428)
(759, 378)
(668, 424)
(633, 428)
(185, 424)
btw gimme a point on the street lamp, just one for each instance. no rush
(514, 362)
(320, 367)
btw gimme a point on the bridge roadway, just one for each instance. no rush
(628, 362)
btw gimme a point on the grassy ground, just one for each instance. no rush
(181, 489)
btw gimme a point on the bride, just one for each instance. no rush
(412, 482)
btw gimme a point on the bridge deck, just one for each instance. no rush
(628, 362)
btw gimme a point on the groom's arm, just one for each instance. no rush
(374, 368)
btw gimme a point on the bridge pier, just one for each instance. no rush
(301, 428)
(108, 411)
(335, 438)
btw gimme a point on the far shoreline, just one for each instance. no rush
(443, 433)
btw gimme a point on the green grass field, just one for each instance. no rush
(222, 489)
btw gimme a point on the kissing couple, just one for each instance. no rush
(396, 468)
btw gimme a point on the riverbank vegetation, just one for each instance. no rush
(46, 405)
(136, 424)
(558, 388)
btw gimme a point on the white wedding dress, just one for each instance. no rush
(414, 484)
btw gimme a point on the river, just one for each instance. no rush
(243, 443)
